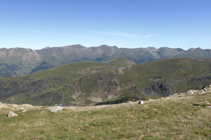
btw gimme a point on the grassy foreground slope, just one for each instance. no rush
(160, 119)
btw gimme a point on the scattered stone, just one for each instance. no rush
(190, 92)
(150, 99)
(55, 108)
(129, 102)
(204, 104)
(58, 105)
(24, 110)
(196, 104)
(141, 102)
(12, 114)
(204, 90)
(207, 102)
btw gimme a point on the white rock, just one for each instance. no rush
(141, 102)
(145, 106)
(12, 114)
(2, 105)
(24, 110)
(190, 92)
(55, 108)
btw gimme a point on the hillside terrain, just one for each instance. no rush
(21, 61)
(52, 86)
(165, 118)
(90, 83)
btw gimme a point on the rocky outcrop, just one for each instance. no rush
(203, 90)
(157, 89)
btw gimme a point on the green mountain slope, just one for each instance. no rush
(48, 63)
(48, 84)
(8, 69)
(88, 83)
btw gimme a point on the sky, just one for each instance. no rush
(37, 24)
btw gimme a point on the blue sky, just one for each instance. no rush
(125, 23)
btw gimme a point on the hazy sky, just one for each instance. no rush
(125, 23)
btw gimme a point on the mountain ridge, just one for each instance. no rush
(28, 61)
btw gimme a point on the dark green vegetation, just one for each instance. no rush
(20, 61)
(118, 101)
(88, 83)
(160, 119)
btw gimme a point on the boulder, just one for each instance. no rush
(12, 114)
(141, 102)
(191, 92)
(55, 108)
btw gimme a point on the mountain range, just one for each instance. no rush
(21, 61)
